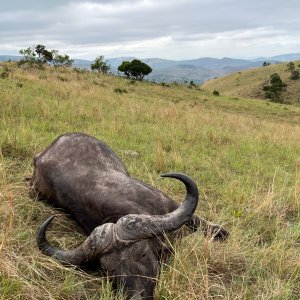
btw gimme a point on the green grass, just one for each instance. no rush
(249, 83)
(244, 155)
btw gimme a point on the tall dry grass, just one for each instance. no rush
(243, 154)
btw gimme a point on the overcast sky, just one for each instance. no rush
(174, 29)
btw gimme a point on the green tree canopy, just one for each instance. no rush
(135, 69)
(40, 56)
(61, 60)
(273, 87)
(43, 55)
(100, 65)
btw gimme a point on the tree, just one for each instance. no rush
(273, 87)
(135, 69)
(29, 56)
(44, 56)
(40, 56)
(266, 63)
(61, 60)
(100, 65)
(124, 67)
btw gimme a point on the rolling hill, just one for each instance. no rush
(248, 83)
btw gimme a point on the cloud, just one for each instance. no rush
(149, 28)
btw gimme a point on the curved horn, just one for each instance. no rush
(136, 227)
(99, 241)
(128, 229)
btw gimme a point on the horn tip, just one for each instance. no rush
(49, 220)
(167, 174)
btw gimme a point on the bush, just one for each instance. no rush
(291, 66)
(5, 73)
(164, 84)
(266, 63)
(120, 91)
(192, 84)
(295, 75)
(216, 93)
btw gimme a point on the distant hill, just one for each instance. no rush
(286, 57)
(183, 73)
(248, 83)
(197, 70)
(9, 57)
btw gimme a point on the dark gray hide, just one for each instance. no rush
(124, 218)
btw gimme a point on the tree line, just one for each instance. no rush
(134, 69)
(39, 56)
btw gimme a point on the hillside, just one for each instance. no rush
(244, 155)
(248, 83)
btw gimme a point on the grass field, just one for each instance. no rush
(244, 155)
(249, 83)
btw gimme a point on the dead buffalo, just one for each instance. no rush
(125, 219)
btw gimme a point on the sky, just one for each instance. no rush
(170, 29)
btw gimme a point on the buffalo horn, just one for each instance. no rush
(99, 241)
(127, 230)
(136, 227)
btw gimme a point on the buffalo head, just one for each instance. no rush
(129, 250)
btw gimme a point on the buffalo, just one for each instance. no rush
(126, 221)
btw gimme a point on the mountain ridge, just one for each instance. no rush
(197, 70)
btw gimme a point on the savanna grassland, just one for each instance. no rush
(249, 83)
(244, 155)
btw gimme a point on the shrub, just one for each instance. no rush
(120, 91)
(216, 93)
(266, 63)
(5, 73)
(295, 75)
(291, 66)
(192, 84)
(164, 84)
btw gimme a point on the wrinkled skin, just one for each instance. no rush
(88, 180)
